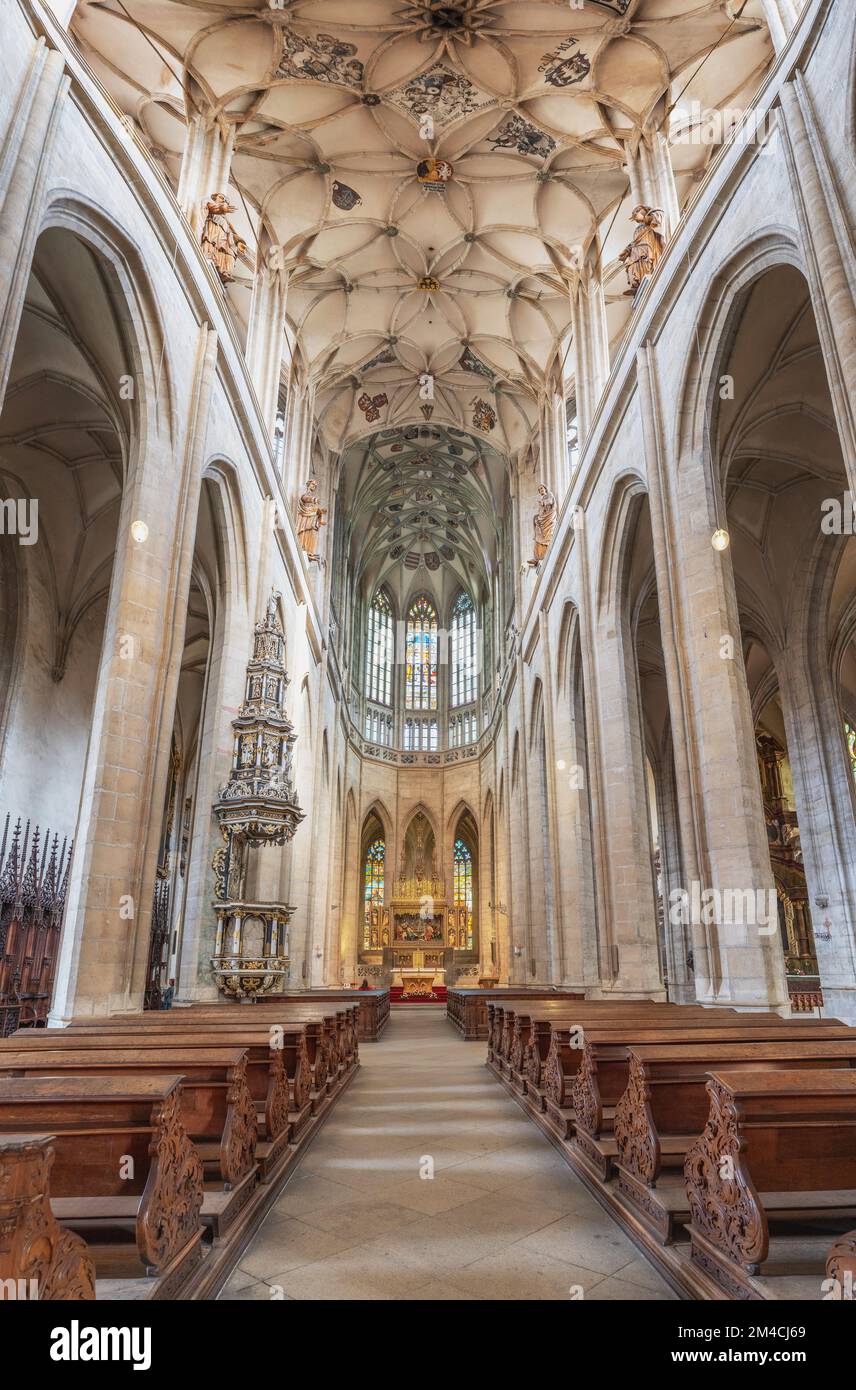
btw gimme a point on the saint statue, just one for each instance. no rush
(310, 519)
(544, 523)
(641, 256)
(221, 244)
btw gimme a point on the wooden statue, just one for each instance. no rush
(221, 244)
(641, 256)
(544, 523)
(310, 519)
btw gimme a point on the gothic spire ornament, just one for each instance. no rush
(258, 806)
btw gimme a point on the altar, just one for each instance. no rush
(417, 984)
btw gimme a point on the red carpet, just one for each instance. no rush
(438, 997)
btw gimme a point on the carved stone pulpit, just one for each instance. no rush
(258, 806)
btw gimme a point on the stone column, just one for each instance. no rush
(298, 442)
(781, 16)
(652, 178)
(824, 802)
(630, 964)
(104, 947)
(574, 899)
(591, 342)
(25, 158)
(672, 876)
(724, 840)
(205, 166)
(265, 338)
(827, 250)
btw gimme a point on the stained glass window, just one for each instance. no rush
(464, 666)
(850, 735)
(463, 897)
(373, 895)
(379, 651)
(421, 656)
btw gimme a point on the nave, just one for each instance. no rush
(503, 1218)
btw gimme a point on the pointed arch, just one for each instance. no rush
(717, 324)
(568, 629)
(536, 712)
(622, 514)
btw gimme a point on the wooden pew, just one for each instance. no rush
(774, 1140)
(39, 1259)
(572, 1079)
(217, 1109)
(289, 1108)
(98, 1124)
(841, 1269)
(516, 1043)
(334, 1031)
(337, 1030)
(602, 1074)
(467, 1009)
(665, 1105)
(372, 1006)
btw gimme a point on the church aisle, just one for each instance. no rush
(502, 1218)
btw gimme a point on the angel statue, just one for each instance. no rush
(544, 523)
(310, 519)
(221, 244)
(641, 256)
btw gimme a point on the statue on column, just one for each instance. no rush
(221, 244)
(310, 519)
(544, 523)
(640, 258)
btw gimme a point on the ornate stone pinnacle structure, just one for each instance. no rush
(258, 806)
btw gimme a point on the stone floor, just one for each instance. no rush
(502, 1217)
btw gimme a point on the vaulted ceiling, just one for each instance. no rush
(430, 172)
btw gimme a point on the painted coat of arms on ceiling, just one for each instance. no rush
(345, 198)
(517, 134)
(440, 93)
(371, 406)
(563, 68)
(322, 59)
(484, 416)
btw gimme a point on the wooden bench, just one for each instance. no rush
(266, 1074)
(332, 1035)
(787, 1133)
(39, 1259)
(217, 1109)
(372, 1006)
(337, 1030)
(517, 1042)
(288, 1107)
(841, 1269)
(665, 1105)
(571, 1077)
(125, 1175)
(601, 1077)
(467, 1009)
